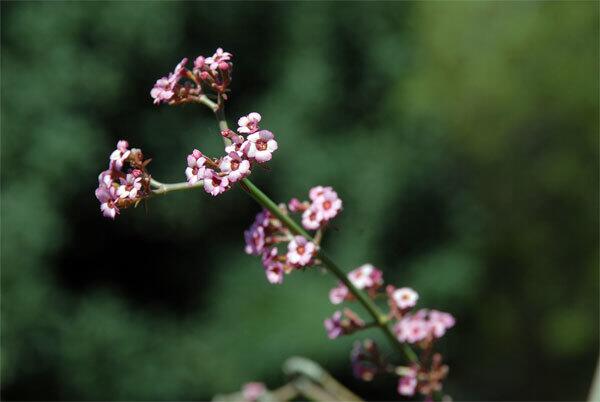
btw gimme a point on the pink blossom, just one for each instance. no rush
(300, 251)
(312, 218)
(107, 198)
(328, 203)
(366, 276)
(260, 146)
(296, 206)
(129, 187)
(179, 72)
(195, 170)
(165, 88)
(338, 294)
(253, 390)
(405, 298)
(439, 322)
(275, 273)
(334, 326)
(422, 325)
(408, 383)
(249, 124)
(119, 155)
(255, 239)
(318, 191)
(162, 91)
(106, 178)
(235, 167)
(215, 184)
(199, 63)
(217, 58)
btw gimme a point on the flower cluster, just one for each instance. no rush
(324, 205)
(425, 380)
(125, 182)
(267, 232)
(365, 277)
(420, 328)
(217, 175)
(184, 85)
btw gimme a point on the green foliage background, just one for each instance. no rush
(463, 138)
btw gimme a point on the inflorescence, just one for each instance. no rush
(126, 182)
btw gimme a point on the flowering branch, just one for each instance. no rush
(127, 182)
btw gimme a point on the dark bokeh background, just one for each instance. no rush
(462, 137)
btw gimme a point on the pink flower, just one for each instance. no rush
(405, 298)
(318, 191)
(249, 124)
(106, 178)
(439, 322)
(119, 155)
(408, 383)
(260, 146)
(162, 91)
(165, 88)
(219, 57)
(107, 198)
(129, 187)
(328, 203)
(195, 170)
(334, 326)
(296, 206)
(253, 390)
(366, 276)
(300, 251)
(273, 268)
(214, 184)
(235, 167)
(422, 325)
(255, 239)
(338, 294)
(199, 63)
(312, 218)
(179, 72)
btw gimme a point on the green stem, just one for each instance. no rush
(379, 317)
(368, 304)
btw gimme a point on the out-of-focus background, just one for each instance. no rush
(462, 137)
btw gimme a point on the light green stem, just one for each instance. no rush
(378, 316)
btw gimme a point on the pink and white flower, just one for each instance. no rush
(196, 169)
(312, 218)
(422, 325)
(260, 146)
(405, 298)
(108, 197)
(130, 186)
(255, 239)
(219, 57)
(318, 191)
(119, 155)
(440, 322)
(235, 167)
(338, 294)
(162, 91)
(249, 124)
(408, 383)
(300, 251)
(333, 325)
(215, 184)
(166, 87)
(328, 203)
(366, 276)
